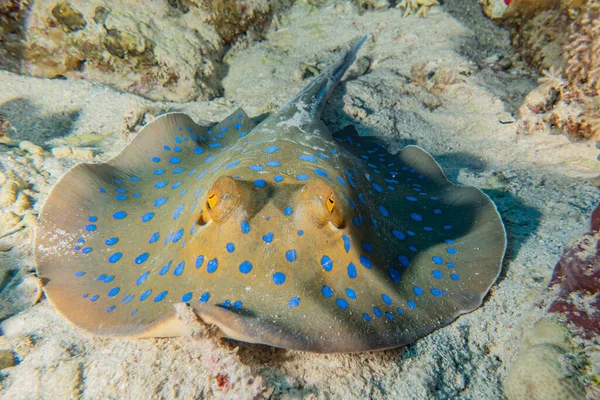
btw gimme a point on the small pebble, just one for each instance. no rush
(62, 152)
(31, 147)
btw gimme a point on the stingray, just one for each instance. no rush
(280, 233)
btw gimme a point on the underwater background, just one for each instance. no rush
(504, 95)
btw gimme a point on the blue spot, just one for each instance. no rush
(273, 164)
(300, 232)
(245, 267)
(230, 247)
(437, 260)
(346, 243)
(447, 227)
(326, 263)
(374, 222)
(142, 278)
(141, 258)
(161, 184)
(394, 275)
(437, 211)
(109, 278)
(92, 218)
(411, 304)
(214, 145)
(119, 215)
(260, 183)
(245, 226)
(94, 298)
(110, 309)
(294, 302)
(166, 268)
(177, 138)
(416, 217)
(120, 197)
(268, 238)
(160, 201)
(256, 168)
(355, 222)
(127, 299)
(90, 227)
(86, 250)
(178, 235)
(212, 266)
(451, 250)
(115, 257)
(418, 291)
(204, 298)
(377, 188)
(237, 125)
(178, 171)
(450, 264)
(155, 159)
(198, 150)
(177, 149)
(290, 255)
(237, 305)
(147, 217)
(436, 292)
(308, 158)
(321, 172)
(413, 249)
(179, 269)
(224, 129)
(136, 195)
(145, 295)
(81, 240)
(351, 294)
(327, 291)
(78, 274)
(341, 303)
(161, 296)
(404, 261)
(323, 156)
(454, 277)
(278, 178)
(278, 278)
(133, 312)
(341, 181)
(384, 211)
(449, 241)
(377, 312)
(361, 198)
(437, 274)
(199, 261)
(232, 164)
(368, 247)
(159, 171)
(398, 235)
(271, 149)
(186, 297)
(367, 317)
(352, 271)
(389, 316)
(302, 177)
(242, 134)
(178, 211)
(102, 190)
(118, 182)
(364, 260)
(288, 210)
(386, 299)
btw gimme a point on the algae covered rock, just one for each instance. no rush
(162, 50)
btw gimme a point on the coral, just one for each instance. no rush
(168, 50)
(565, 46)
(577, 279)
(419, 7)
(544, 368)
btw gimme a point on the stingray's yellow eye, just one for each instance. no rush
(211, 200)
(330, 203)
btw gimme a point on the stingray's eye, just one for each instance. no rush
(211, 200)
(330, 203)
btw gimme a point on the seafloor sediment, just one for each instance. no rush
(450, 83)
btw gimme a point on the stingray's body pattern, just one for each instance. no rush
(281, 233)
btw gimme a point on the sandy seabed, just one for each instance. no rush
(541, 184)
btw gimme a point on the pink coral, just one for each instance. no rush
(577, 275)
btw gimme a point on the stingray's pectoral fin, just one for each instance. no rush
(247, 328)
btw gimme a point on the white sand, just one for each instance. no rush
(541, 185)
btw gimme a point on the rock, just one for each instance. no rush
(7, 359)
(166, 50)
(31, 148)
(543, 368)
(82, 154)
(62, 152)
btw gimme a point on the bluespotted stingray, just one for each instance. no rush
(280, 233)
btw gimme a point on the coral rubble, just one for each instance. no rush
(168, 50)
(562, 40)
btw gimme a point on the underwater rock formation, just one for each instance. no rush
(164, 51)
(562, 40)
(544, 368)
(577, 278)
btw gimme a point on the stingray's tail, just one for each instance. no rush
(314, 95)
